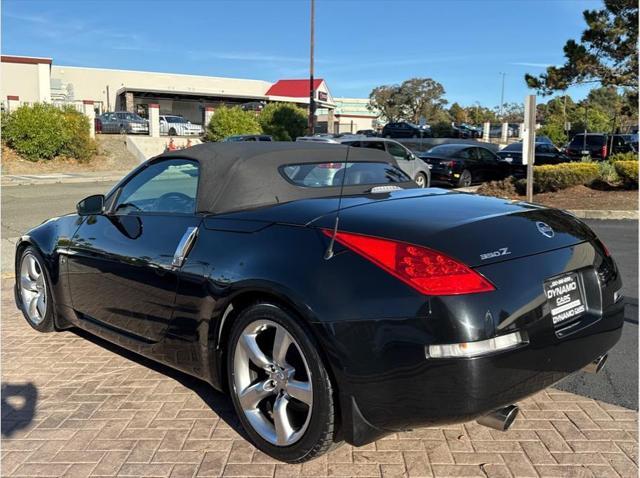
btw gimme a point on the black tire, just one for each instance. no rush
(47, 324)
(319, 435)
(421, 180)
(172, 132)
(465, 179)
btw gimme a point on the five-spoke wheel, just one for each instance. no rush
(34, 290)
(279, 386)
(273, 387)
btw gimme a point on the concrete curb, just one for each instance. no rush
(58, 178)
(604, 214)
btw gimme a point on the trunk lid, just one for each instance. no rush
(476, 230)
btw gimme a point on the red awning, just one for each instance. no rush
(293, 88)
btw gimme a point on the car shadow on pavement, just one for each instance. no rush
(18, 405)
(218, 402)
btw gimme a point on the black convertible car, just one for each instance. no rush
(327, 317)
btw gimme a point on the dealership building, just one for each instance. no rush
(30, 80)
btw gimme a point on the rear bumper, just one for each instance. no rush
(410, 390)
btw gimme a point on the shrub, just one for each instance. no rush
(283, 121)
(607, 173)
(628, 172)
(631, 156)
(43, 131)
(231, 121)
(560, 176)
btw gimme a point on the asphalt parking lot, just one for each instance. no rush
(73, 405)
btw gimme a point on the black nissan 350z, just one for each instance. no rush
(332, 299)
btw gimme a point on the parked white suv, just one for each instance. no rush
(178, 126)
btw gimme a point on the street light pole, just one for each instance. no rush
(312, 93)
(502, 96)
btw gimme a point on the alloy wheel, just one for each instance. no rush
(421, 181)
(272, 382)
(33, 289)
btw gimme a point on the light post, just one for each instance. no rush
(502, 96)
(312, 93)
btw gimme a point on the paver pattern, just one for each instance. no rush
(75, 406)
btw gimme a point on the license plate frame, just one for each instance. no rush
(565, 298)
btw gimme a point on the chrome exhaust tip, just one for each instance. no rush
(500, 419)
(597, 364)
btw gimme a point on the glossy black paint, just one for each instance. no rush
(545, 153)
(113, 276)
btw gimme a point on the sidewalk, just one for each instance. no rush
(52, 178)
(76, 406)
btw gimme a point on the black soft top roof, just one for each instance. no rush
(242, 175)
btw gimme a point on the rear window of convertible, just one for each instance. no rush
(322, 175)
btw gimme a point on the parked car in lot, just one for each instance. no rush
(328, 138)
(367, 132)
(403, 129)
(173, 125)
(598, 146)
(545, 153)
(465, 131)
(417, 308)
(415, 167)
(248, 137)
(463, 164)
(122, 122)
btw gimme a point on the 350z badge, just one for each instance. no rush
(503, 251)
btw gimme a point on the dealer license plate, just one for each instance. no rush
(584, 152)
(564, 297)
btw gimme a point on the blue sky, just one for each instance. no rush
(463, 44)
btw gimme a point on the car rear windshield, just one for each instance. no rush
(446, 149)
(513, 147)
(322, 175)
(592, 140)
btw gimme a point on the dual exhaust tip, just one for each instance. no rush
(502, 418)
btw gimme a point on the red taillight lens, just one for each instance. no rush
(604, 151)
(427, 271)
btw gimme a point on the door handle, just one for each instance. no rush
(184, 246)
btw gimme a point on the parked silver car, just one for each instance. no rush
(122, 122)
(415, 167)
(174, 125)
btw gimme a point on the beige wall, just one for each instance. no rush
(28, 81)
(91, 83)
(358, 123)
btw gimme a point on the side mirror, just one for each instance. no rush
(91, 205)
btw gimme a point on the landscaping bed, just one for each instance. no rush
(583, 197)
(112, 156)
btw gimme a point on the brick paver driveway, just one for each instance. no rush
(75, 406)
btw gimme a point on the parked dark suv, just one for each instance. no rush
(404, 130)
(597, 145)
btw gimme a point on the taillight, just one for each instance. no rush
(427, 271)
(604, 151)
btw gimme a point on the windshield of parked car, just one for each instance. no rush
(513, 147)
(175, 119)
(320, 175)
(592, 140)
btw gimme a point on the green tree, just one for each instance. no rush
(231, 121)
(283, 121)
(607, 52)
(480, 114)
(596, 120)
(388, 101)
(422, 98)
(458, 113)
(512, 113)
